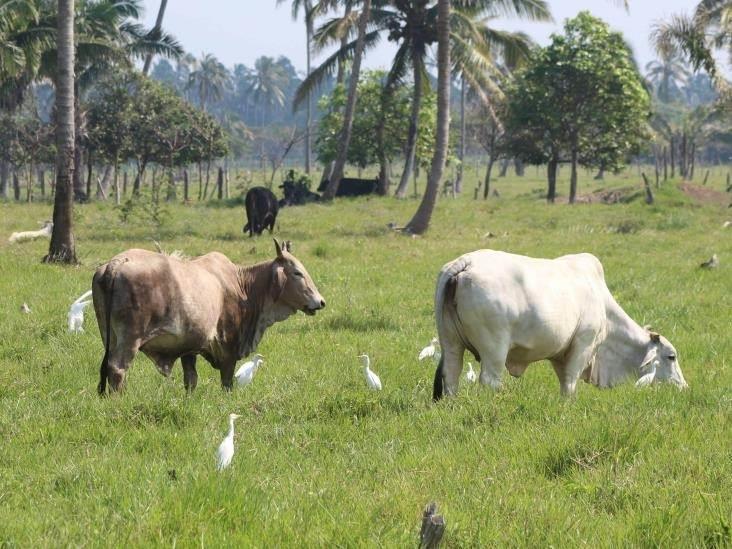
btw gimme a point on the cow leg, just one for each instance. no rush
(493, 355)
(451, 365)
(190, 376)
(570, 367)
(120, 359)
(226, 369)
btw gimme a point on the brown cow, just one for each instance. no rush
(168, 307)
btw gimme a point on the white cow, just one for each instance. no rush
(511, 310)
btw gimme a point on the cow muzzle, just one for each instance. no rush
(311, 309)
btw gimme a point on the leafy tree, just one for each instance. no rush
(580, 100)
(209, 78)
(378, 125)
(667, 74)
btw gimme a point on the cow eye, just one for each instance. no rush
(672, 357)
(297, 273)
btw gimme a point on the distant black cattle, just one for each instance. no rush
(351, 186)
(297, 193)
(261, 205)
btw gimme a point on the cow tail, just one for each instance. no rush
(106, 283)
(446, 317)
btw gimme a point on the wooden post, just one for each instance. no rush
(665, 164)
(124, 183)
(42, 179)
(16, 186)
(117, 194)
(29, 194)
(433, 527)
(706, 176)
(185, 186)
(649, 192)
(729, 183)
(220, 183)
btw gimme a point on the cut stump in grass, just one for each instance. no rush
(433, 527)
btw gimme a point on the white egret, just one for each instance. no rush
(245, 374)
(25, 309)
(470, 375)
(76, 313)
(371, 378)
(430, 350)
(226, 448)
(711, 263)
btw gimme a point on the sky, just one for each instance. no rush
(239, 31)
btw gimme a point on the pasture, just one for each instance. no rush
(322, 461)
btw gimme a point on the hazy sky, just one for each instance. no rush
(239, 31)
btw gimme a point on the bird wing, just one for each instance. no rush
(83, 296)
(427, 352)
(375, 381)
(242, 369)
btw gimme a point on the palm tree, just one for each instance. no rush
(411, 24)
(345, 135)
(709, 29)
(267, 84)
(308, 8)
(209, 78)
(667, 75)
(61, 249)
(156, 30)
(421, 220)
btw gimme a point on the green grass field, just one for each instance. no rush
(322, 461)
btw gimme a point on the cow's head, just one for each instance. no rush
(662, 359)
(292, 285)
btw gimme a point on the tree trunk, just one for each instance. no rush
(103, 191)
(487, 180)
(461, 152)
(518, 166)
(682, 156)
(117, 194)
(89, 173)
(4, 178)
(345, 136)
(185, 186)
(411, 150)
(504, 167)
(309, 37)
(42, 181)
(551, 175)
(384, 183)
(672, 151)
(124, 183)
(16, 186)
(155, 31)
(421, 220)
(29, 187)
(665, 164)
(220, 184)
(573, 177)
(600, 174)
(692, 160)
(61, 248)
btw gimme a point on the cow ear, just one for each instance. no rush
(278, 282)
(655, 338)
(650, 356)
(278, 249)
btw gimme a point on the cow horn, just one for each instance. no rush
(278, 249)
(288, 245)
(655, 338)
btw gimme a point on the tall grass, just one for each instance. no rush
(322, 461)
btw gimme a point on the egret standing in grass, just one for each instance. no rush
(245, 374)
(470, 375)
(372, 379)
(226, 448)
(76, 313)
(430, 350)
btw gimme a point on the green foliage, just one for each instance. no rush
(583, 93)
(375, 108)
(321, 461)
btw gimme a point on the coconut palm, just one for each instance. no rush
(421, 220)
(667, 74)
(697, 37)
(267, 85)
(412, 25)
(156, 30)
(345, 135)
(61, 249)
(307, 7)
(209, 78)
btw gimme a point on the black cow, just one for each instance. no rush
(296, 194)
(261, 205)
(351, 186)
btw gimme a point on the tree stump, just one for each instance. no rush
(649, 192)
(433, 527)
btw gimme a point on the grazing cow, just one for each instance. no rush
(351, 186)
(168, 307)
(511, 310)
(262, 207)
